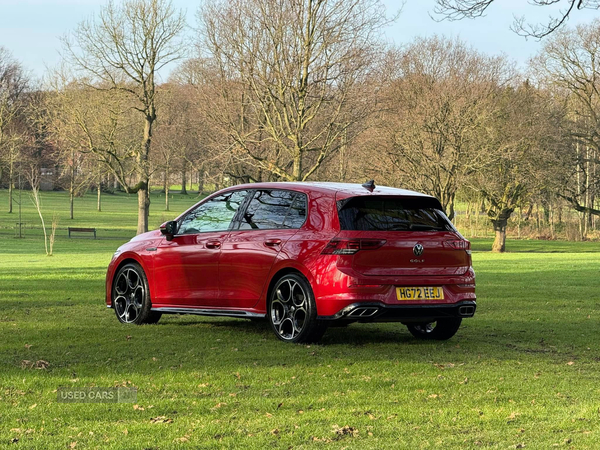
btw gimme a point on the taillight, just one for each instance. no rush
(459, 244)
(351, 246)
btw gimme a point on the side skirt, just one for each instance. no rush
(209, 312)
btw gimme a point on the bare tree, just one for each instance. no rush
(91, 132)
(521, 143)
(178, 141)
(568, 66)
(13, 86)
(33, 177)
(460, 9)
(123, 49)
(288, 77)
(443, 92)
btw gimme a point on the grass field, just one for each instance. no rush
(524, 373)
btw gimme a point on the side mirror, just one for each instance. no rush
(169, 229)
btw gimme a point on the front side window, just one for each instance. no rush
(273, 209)
(213, 215)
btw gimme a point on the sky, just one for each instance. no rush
(31, 29)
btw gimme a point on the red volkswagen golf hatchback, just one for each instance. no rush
(303, 256)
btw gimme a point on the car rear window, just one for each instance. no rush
(392, 214)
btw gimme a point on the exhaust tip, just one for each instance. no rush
(466, 311)
(361, 312)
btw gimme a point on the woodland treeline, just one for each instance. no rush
(274, 90)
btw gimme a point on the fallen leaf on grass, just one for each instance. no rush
(316, 439)
(138, 407)
(218, 405)
(275, 431)
(73, 444)
(27, 346)
(41, 364)
(345, 431)
(128, 337)
(570, 363)
(512, 417)
(161, 419)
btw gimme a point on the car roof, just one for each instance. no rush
(341, 190)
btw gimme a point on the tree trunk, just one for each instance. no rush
(200, 182)
(166, 196)
(499, 221)
(143, 209)
(499, 244)
(297, 168)
(10, 188)
(99, 196)
(72, 185)
(143, 187)
(184, 180)
(451, 209)
(71, 200)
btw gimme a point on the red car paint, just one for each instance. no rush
(230, 272)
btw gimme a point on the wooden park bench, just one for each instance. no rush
(82, 230)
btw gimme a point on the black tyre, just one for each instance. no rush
(440, 330)
(292, 311)
(131, 296)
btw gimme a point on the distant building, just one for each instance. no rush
(46, 179)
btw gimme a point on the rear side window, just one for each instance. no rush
(273, 209)
(392, 214)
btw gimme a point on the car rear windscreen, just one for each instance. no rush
(392, 214)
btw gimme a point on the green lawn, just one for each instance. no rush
(118, 218)
(523, 373)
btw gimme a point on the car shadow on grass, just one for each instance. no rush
(351, 334)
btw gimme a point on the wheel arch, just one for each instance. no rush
(280, 273)
(126, 260)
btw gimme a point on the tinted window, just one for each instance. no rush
(213, 215)
(391, 214)
(297, 215)
(270, 209)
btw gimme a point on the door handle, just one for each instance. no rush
(272, 242)
(213, 244)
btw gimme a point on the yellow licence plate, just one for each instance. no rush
(420, 293)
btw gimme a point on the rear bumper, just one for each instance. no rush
(381, 312)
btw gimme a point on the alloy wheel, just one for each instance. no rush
(130, 291)
(289, 309)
